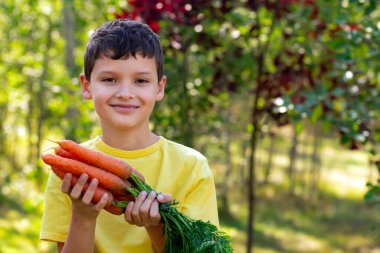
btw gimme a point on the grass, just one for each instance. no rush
(19, 234)
(336, 220)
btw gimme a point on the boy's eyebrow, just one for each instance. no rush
(106, 72)
(114, 72)
(144, 72)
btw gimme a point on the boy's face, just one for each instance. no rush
(124, 91)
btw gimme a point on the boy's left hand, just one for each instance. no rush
(144, 210)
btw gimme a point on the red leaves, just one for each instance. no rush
(346, 27)
(151, 12)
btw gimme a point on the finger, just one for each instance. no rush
(155, 217)
(110, 198)
(128, 212)
(66, 183)
(76, 192)
(145, 208)
(89, 194)
(164, 198)
(136, 208)
(102, 202)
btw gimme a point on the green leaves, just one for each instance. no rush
(183, 234)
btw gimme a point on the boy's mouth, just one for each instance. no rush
(124, 108)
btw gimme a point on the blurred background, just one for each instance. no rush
(281, 96)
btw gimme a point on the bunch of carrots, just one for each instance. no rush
(123, 183)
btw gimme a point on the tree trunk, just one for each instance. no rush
(268, 167)
(243, 167)
(255, 114)
(372, 159)
(29, 122)
(187, 120)
(252, 182)
(228, 169)
(68, 31)
(41, 98)
(292, 161)
(315, 164)
(3, 115)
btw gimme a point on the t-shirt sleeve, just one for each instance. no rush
(57, 212)
(200, 201)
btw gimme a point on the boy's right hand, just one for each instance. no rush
(81, 202)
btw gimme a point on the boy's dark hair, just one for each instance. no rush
(121, 38)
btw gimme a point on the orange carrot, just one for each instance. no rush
(63, 153)
(106, 180)
(98, 192)
(97, 159)
(125, 197)
(114, 209)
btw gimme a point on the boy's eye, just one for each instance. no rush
(141, 81)
(108, 80)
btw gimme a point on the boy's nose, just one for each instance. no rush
(126, 91)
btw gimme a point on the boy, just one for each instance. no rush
(124, 78)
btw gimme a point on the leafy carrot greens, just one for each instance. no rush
(183, 234)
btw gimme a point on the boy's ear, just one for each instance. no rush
(161, 89)
(86, 92)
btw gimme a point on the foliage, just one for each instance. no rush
(340, 88)
(311, 61)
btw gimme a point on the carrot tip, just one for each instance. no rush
(56, 142)
(46, 150)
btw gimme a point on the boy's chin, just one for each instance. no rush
(126, 126)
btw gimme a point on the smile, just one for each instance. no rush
(125, 108)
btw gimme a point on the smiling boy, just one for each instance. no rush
(124, 79)
(124, 93)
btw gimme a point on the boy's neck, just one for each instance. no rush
(130, 141)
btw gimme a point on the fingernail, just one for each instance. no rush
(94, 181)
(152, 194)
(160, 197)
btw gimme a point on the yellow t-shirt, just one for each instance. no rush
(167, 166)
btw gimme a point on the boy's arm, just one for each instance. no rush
(81, 235)
(156, 237)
